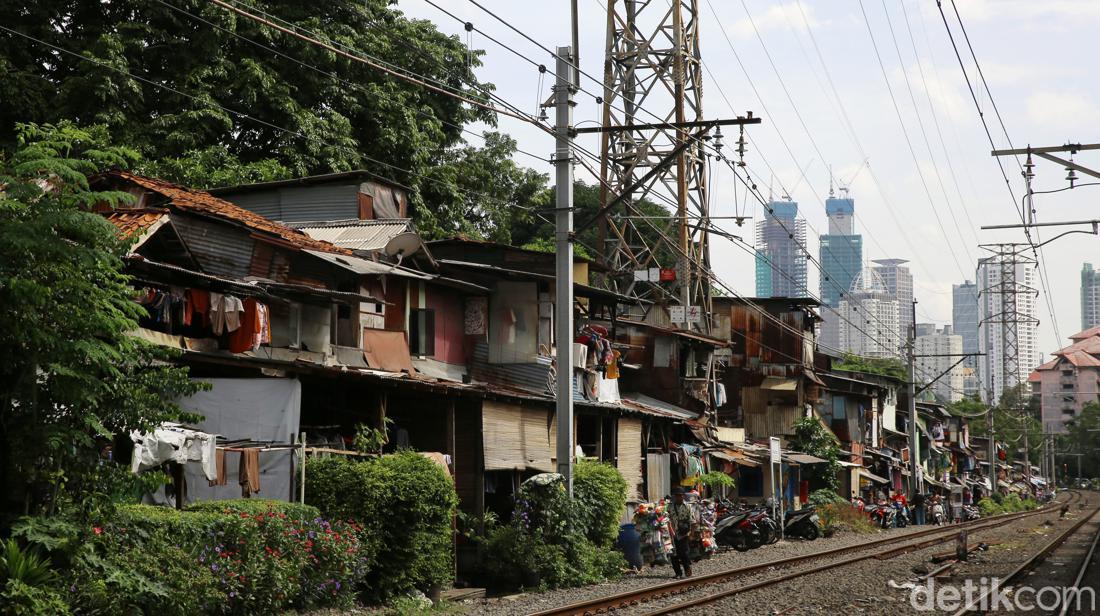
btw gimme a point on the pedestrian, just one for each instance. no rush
(918, 508)
(681, 522)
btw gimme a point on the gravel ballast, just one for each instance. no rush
(527, 603)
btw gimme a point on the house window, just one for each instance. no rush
(751, 482)
(422, 332)
(1067, 386)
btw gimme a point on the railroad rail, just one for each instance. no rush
(636, 597)
(1082, 571)
(1033, 562)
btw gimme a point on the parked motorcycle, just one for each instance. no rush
(970, 512)
(881, 514)
(804, 523)
(738, 531)
(901, 516)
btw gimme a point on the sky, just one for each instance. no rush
(929, 181)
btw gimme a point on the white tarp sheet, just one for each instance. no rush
(173, 443)
(257, 409)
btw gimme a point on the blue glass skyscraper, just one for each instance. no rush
(841, 251)
(780, 260)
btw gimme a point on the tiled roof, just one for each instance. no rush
(202, 202)
(366, 235)
(1081, 359)
(1050, 365)
(1035, 377)
(1088, 345)
(134, 222)
(1088, 333)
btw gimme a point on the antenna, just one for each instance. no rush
(831, 193)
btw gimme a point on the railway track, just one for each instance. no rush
(979, 604)
(913, 541)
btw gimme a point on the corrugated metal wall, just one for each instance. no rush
(220, 250)
(302, 203)
(533, 377)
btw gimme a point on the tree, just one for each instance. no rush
(71, 376)
(812, 437)
(538, 231)
(1083, 437)
(1016, 413)
(176, 87)
(882, 366)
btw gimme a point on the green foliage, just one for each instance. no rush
(823, 497)
(253, 506)
(72, 377)
(20, 599)
(213, 166)
(537, 232)
(25, 566)
(882, 366)
(153, 559)
(842, 516)
(368, 439)
(989, 507)
(811, 437)
(546, 543)
(1084, 437)
(405, 503)
(308, 110)
(717, 479)
(599, 494)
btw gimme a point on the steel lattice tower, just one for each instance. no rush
(652, 64)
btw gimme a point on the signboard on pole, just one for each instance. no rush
(773, 443)
(677, 314)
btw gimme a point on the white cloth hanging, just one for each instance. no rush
(174, 443)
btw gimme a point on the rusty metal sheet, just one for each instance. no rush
(387, 350)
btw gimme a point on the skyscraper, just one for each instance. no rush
(869, 326)
(934, 349)
(841, 259)
(993, 317)
(780, 260)
(1090, 297)
(964, 322)
(899, 282)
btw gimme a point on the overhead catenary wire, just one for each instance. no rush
(238, 113)
(908, 141)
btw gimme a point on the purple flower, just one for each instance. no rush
(233, 594)
(72, 588)
(214, 567)
(337, 585)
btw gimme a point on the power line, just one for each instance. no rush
(908, 141)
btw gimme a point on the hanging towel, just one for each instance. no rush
(249, 475)
(219, 461)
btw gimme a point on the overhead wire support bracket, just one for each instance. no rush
(739, 121)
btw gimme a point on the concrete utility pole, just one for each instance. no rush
(563, 252)
(914, 461)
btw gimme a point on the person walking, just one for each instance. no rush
(681, 521)
(918, 508)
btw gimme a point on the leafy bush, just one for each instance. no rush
(546, 543)
(154, 559)
(25, 566)
(989, 507)
(253, 506)
(406, 503)
(819, 498)
(717, 479)
(20, 599)
(599, 492)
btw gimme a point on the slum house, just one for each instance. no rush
(613, 422)
(853, 406)
(768, 374)
(497, 337)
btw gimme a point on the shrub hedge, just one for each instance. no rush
(554, 542)
(247, 558)
(406, 504)
(599, 492)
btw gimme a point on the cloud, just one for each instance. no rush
(778, 16)
(1060, 109)
(1068, 12)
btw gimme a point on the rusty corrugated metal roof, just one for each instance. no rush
(202, 202)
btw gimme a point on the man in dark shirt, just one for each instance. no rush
(681, 521)
(918, 508)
